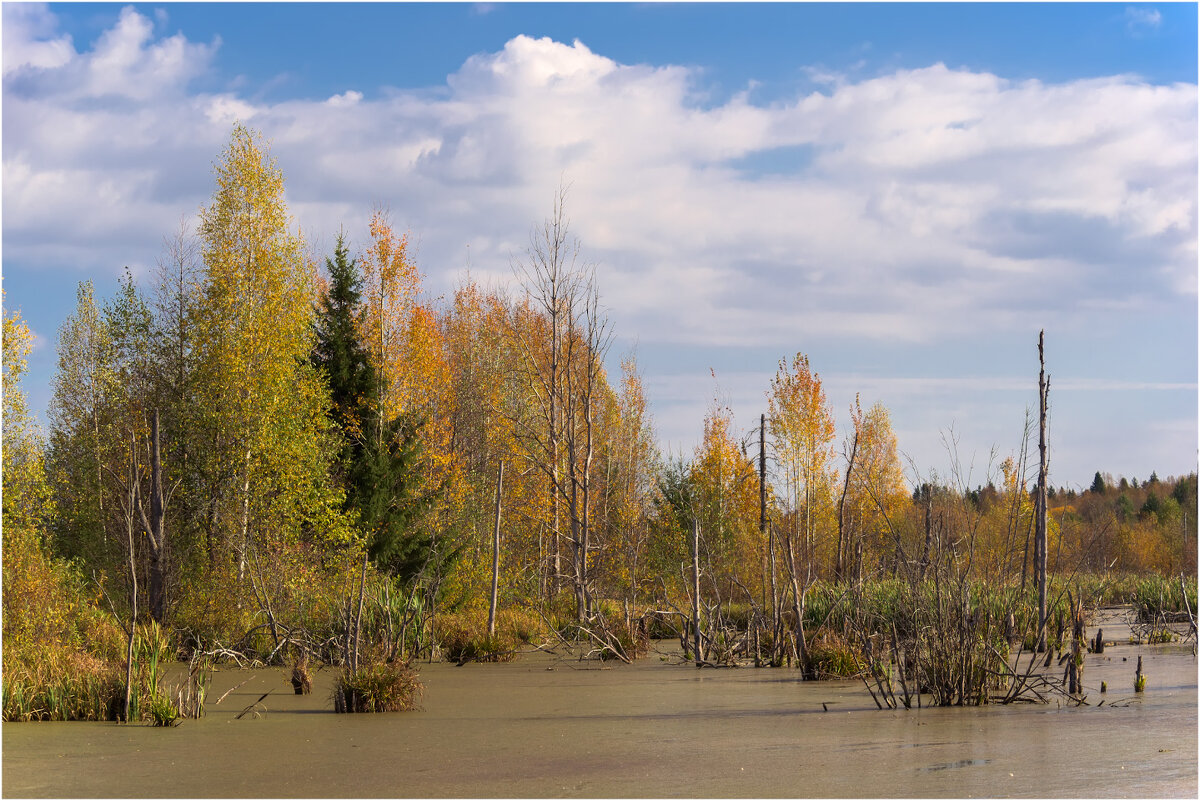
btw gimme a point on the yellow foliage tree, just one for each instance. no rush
(725, 495)
(876, 498)
(261, 405)
(801, 428)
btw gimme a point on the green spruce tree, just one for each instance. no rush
(381, 462)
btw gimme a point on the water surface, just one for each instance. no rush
(543, 727)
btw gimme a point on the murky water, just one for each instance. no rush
(541, 727)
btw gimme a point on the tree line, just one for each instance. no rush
(261, 436)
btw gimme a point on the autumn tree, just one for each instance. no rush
(27, 495)
(801, 430)
(724, 492)
(262, 432)
(629, 460)
(875, 499)
(381, 464)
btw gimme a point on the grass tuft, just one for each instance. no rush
(377, 687)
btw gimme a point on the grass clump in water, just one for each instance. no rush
(834, 657)
(377, 687)
(464, 637)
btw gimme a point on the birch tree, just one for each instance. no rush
(262, 429)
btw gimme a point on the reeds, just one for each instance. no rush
(57, 681)
(463, 636)
(377, 687)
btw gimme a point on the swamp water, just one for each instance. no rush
(545, 727)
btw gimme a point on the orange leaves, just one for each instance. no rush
(391, 285)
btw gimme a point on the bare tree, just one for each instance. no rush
(566, 372)
(1040, 541)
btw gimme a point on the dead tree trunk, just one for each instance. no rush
(1040, 550)
(1078, 647)
(129, 502)
(839, 569)
(762, 489)
(927, 548)
(798, 596)
(696, 592)
(496, 554)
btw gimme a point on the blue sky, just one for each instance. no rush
(906, 193)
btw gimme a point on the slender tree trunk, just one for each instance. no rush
(1043, 397)
(133, 588)
(496, 554)
(696, 592)
(839, 570)
(245, 522)
(357, 626)
(762, 489)
(156, 532)
(928, 531)
(797, 608)
(774, 587)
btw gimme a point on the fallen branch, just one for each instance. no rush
(253, 707)
(231, 689)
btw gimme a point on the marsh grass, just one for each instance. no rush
(463, 636)
(834, 656)
(57, 681)
(377, 687)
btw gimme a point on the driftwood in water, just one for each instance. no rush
(1139, 678)
(1098, 645)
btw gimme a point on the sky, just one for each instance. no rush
(905, 193)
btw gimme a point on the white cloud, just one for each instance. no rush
(919, 178)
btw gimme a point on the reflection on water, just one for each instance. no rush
(541, 727)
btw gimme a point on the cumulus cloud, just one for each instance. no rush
(925, 202)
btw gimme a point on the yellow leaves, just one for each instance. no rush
(801, 426)
(260, 404)
(26, 494)
(390, 326)
(725, 485)
(876, 495)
